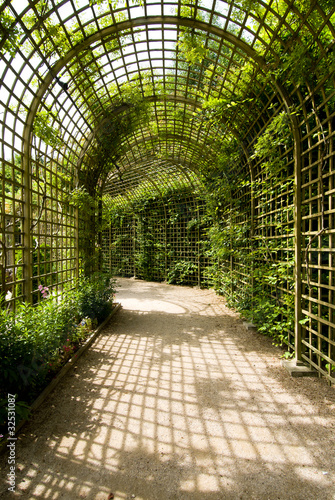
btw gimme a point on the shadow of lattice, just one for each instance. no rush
(185, 411)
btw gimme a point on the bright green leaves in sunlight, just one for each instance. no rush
(44, 128)
(9, 32)
(192, 45)
(275, 135)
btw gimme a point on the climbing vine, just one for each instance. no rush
(157, 236)
(254, 271)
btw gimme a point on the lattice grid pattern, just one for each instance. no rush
(197, 74)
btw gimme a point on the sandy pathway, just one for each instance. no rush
(177, 401)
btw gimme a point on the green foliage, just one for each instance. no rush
(150, 252)
(295, 59)
(81, 199)
(274, 136)
(153, 254)
(42, 264)
(188, 9)
(227, 237)
(182, 273)
(94, 297)
(123, 114)
(36, 340)
(49, 35)
(272, 318)
(115, 3)
(216, 109)
(192, 45)
(28, 342)
(43, 128)
(10, 32)
(255, 273)
(95, 216)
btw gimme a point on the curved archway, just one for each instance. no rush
(219, 98)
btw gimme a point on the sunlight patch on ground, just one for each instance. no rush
(152, 305)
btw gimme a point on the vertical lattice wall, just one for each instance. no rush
(38, 224)
(119, 247)
(160, 241)
(318, 230)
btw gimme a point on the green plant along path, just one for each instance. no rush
(187, 142)
(37, 341)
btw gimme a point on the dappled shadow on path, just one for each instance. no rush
(177, 405)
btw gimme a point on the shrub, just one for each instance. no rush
(31, 341)
(94, 297)
(16, 349)
(182, 273)
(38, 339)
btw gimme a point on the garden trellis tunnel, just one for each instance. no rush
(181, 141)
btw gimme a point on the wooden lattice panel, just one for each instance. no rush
(186, 79)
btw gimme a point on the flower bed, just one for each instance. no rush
(37, 341)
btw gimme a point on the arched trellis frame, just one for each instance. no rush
(147, 39)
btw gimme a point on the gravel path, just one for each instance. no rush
(176, 400)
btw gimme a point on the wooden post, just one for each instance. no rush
(99, 235)
(198, 245)
(27, 243)
(297, 238)
(134, 244)
(252, 221)
(165, 244)
(297, 220)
